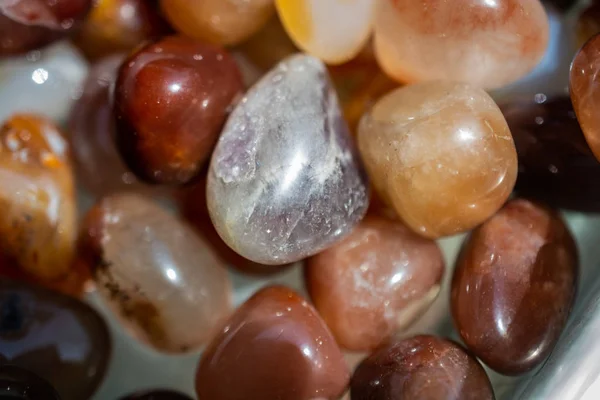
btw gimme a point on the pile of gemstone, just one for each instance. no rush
(341, 137)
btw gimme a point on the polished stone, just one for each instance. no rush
(440, 154)
(275, 347)
(375, 282)
(492, 44)
(161, 281)
(420, 368)
(517, 273)
(285, 181)
(54, 336)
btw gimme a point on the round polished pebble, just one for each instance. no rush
(333, 39)
(171, 100)
(116, 26)
(56, 337)
(19, 384)
(375, 282)
(30, 24)
(486, 43)
(225, 22)
(157, 395)
(99, 166)
(517, 273)
(440, 154)
(275, 346)
(39, 222)
(584, 91)
(285, 181)
(420, 368)
(156, 275)
(556, 165)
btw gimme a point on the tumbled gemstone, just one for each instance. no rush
(171, 100)
(225, 22)
(19, 384)
(491, 45)
(517, 273)
(38, 225)
(375, 282)
(556, 165)
(156, 275)
(285, 181)
(30, 24)
(332, 30)
(275, 346)
(440, 154)
(419, 368)
(157, 395)
(54, 336)
(584, 91)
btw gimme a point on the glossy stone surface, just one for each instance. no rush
(19, 384)
(375, 282)
(275, 346)
(30, 24)
(493, 44)
(92, 128)
(420, 368)
(38, 225)
(517, 273)
(311, 25)
(285, 181)
(157, 395)
(46, 82)
(225, 22)
(584, 93)
(155, 274)
(588, 23)
(116, 26)
(441, 154)
(556, 165)
(54, 336)
(171, 100)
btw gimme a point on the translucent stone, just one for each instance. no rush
(440, 154)
(285, 181)
(332, 30)
(491, 45)
(46, 82)
(39, 219)
(157, 276)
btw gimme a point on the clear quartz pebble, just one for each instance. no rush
(285, 180)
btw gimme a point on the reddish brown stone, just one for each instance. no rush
(514, 285)
(420, 368)
(375, 282)
(274, 347)
(171, 100)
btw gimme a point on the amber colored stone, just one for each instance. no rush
(30, 24)
(162, 282)
(375, 282)
(19, 384)
(491, 45)
(441, 154)
(157, 395)
(420, 368)
(171, 100)
(517, 273)
(556, 165)
(275, 346)
(115, 26)
(195, 210)
(38, 225)
(54, 336)
(588, 23)
(225, 22)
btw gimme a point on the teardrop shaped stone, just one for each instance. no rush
(57, 337)
(285, 180)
